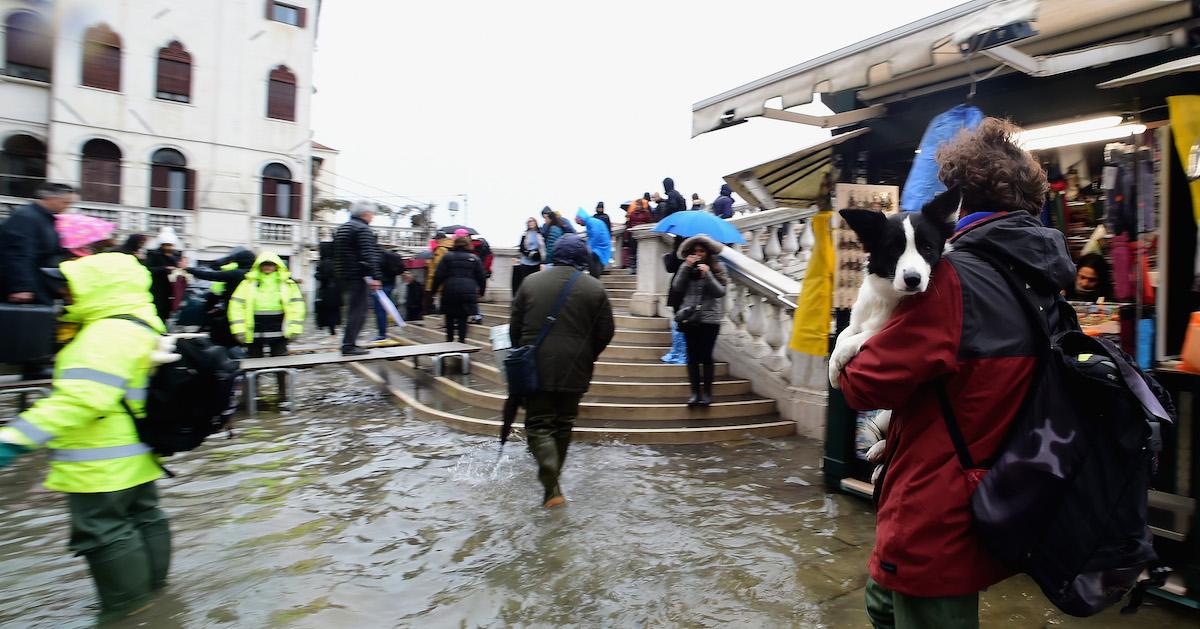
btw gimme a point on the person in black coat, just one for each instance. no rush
(392, 267)
(216, 316)
(460, 278)
(328, 306)
(414, 297)
(359, 264)
(29, 242)
(675, 202)
(602, 216)
(161, 262)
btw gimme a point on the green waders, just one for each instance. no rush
(891, 610)
(126, 541)
(550, 416)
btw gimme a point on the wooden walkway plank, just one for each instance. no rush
(303, 361)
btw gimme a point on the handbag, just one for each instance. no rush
(520, 365)
(688, 315)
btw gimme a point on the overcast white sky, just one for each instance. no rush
(526, 104)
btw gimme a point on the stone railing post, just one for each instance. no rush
(653, 282)
(499, 285)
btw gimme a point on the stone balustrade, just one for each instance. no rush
(765, 285)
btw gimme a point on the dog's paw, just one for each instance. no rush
(875, 474)
(834, 374)
(875, 452)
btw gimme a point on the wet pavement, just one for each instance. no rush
(349, 513)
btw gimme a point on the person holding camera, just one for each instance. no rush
(533, 251)
(701, 281)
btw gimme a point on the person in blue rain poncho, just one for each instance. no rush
(599, 240)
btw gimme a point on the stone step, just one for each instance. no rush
(611, 411)
(623, 321)
(620, 293)
(661, 390)
(613, 351)
(646, 338)
(653, 368)
(427, 405)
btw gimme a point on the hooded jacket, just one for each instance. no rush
(266, 294)
(598, 235)
(460, 278)
(674, 201)
(638, 214)
(584, 326)
(704, 292)
(94, 446)
(723, 206)
(968, 331)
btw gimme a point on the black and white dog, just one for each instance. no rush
(901, 252)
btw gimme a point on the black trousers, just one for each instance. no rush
(354, 295)
(549, 418)
(456, 323)
(701, 338)
(522, 271)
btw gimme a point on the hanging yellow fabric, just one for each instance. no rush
(1185, 124)
(810, 328)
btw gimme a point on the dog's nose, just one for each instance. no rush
(912, 280)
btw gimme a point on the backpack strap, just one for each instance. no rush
(553, 316)
(956, 436)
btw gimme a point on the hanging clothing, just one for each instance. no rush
(810, 326)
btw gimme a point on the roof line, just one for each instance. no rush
(896, 33)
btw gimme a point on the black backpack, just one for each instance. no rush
(189, 399)
(1064, 500)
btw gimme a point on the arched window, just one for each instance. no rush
(172, 184)
(27, 47)
(101, 172)
(174, 73)
(280, 195)
(22, 166)
(102, 58)
(281, 94)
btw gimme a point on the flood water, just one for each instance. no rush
(348, 513)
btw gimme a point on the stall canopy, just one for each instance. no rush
(790, 181)
(926, 55)
(1179, 66)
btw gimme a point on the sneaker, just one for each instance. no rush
(355, 351)
(379, 338)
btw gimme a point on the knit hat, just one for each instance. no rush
(462, 233)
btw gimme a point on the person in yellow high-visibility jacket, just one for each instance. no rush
(96, 457)
(267, 308)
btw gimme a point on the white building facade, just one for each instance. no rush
(193, 115)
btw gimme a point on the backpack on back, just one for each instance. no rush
(1064, 501)
(189, 399)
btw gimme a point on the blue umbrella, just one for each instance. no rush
(692, 222)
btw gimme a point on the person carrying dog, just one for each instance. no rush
(968, 333)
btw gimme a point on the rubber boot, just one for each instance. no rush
(693, 370)
(706, 396)
(545, 452)
(121, 572)
(157, 538)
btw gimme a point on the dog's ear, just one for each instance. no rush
(868, 224)
(943, 210)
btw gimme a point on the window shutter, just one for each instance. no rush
(297, 194)
(175, 71)
(189, 193)
(102, 66)
(268, 197)
(270, 9)
(303, 17)
(281, 100)
(28, 41)
(158, 185)
(101, 180)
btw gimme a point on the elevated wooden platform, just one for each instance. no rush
(305, 361)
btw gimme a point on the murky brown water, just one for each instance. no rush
(348, 513)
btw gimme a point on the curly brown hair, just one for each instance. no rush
(992, 172)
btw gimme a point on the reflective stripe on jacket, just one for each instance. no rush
(94, 444)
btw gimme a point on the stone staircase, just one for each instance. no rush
(634, 397)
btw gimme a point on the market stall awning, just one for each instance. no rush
(790, 181)
(1188, 64)
(924, 54)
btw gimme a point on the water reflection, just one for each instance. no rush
(350, 513)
